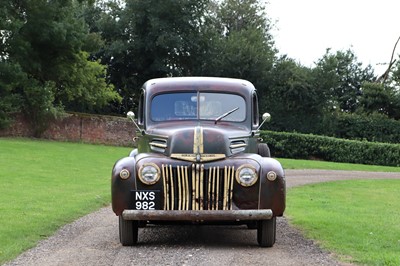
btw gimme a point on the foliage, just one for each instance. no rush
(355, 219)
(10, 77)
(304, 146)
(148, 39)
(394, 85)
(38, 104)
(373, 127)
(243, 46)
(45, 40)
(342, 75)
(292, 98)
(83, 55)
(376, 98)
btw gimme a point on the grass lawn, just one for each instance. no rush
(308, 164)
(357, 219)
(44, 185)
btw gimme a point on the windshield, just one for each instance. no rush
(193, 105)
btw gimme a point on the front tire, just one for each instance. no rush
(266, 232)
(252, 225)
(128, 231)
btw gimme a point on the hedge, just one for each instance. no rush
(374, 128)
(308, 146)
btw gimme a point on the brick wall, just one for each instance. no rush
(111, 130)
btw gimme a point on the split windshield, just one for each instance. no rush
(193, 105)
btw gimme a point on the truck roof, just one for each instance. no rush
(158, 85)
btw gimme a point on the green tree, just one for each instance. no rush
(243, 46)
(45, 40)
(293, 98)
(393, 90)
(148, 39)
(341, 76)
(10, 80)
(376, 98)
(10, 72)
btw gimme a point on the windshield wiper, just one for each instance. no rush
(225, 115)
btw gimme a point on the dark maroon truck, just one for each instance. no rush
(199, 159)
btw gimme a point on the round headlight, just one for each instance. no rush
(246, 175)
(149, 173)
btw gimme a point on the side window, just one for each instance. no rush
(256, 119)
(141, 110)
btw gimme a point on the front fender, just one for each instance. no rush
(121, 188)
(272, 193)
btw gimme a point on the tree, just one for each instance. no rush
(10, 72)
(341, 76)
(10, 78)
(45, 40)
(293, 97)
(376, 98)
(242, 46)
(148, 39)
(393, 86)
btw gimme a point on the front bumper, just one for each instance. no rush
(192, 215)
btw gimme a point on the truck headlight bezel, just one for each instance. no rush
(149, 173)
(246, 175)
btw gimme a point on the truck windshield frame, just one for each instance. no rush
(178, 106)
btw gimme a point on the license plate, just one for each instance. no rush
(146, 199)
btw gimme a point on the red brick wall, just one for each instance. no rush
(111, 130)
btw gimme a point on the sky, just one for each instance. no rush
(304, 29)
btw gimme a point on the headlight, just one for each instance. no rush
(149, 173)
(246, 175)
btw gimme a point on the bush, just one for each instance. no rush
(374, 127)
(305, 146)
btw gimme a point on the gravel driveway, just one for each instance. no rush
(93, 239)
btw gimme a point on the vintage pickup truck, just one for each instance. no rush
(198, 159)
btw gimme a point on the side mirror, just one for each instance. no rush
(131, 116)
(266, 117)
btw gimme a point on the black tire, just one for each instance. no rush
(266, 232)
(142, 224)
(252, 225)
(128, 232)
(263, 150)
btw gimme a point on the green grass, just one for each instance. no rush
(44, 185)
(359, 220)
(306, 164)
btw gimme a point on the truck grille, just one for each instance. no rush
(196, 188)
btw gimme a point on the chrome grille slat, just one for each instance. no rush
(197, 188)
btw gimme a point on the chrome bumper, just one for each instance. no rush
(201, 215)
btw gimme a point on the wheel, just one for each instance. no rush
(128, 232)
(142, 224)
(266, 232)
(263, 150)
(252, 225)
